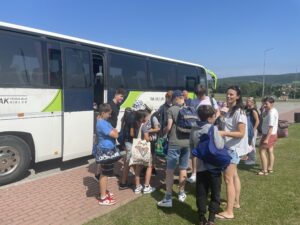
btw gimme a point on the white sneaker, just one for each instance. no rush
(249, 162)
(165, 203)
(138, 189)
(148, 189)
(192, 179)
(181, 196)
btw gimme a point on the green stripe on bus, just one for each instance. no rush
(131, 98)
(56, 104)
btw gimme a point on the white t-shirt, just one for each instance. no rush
(270, 120)
(240, 145)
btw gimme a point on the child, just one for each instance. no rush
(106, 141)
(269, 136)
(208, 176)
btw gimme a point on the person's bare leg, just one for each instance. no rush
(271, 159)
(194, 166)
(148, 175)
(169, 181)
(237, 187)
(182, 179)
(125, 173)
(230, 191)
(137, 171)
(264, 159)
(103, 186)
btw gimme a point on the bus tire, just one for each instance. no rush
(15, 157)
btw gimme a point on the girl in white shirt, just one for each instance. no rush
(269, 136)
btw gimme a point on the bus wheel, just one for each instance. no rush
(15, 158)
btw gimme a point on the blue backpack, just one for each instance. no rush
(186, 119)
(209, 153)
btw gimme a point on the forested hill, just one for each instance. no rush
(269, 79)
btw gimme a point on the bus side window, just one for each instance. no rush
(55, 67)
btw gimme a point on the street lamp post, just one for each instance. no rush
(263, 83)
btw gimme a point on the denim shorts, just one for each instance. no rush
(174, 155)
(235, 159)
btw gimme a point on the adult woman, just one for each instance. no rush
(236, 141)
(269, 136)
(252, 112)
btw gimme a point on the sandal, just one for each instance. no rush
(270, 171)
(262, 173)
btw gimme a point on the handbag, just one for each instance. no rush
(140, 151)
(107, 156)
(283, 131)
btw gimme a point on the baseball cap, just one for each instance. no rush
(177, 93)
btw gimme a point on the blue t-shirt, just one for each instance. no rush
(103, 130)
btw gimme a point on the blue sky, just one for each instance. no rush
(227, 36)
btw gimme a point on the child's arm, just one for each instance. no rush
(114, 133)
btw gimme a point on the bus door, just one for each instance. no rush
(98, 76)
(78, 112)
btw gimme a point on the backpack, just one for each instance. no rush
(209, 153)
(124, 134)
(186, 119)
(153, 135)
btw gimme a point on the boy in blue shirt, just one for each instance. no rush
(107, 136)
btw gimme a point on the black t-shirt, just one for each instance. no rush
(114, 114)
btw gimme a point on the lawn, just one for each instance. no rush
(272, 199)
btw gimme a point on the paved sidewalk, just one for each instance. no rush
(67, 197)
(64, 198)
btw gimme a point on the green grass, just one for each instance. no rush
(273, 199)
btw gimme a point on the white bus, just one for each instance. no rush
(49, 82)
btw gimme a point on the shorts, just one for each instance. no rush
(271, 142)
(107, 169)
(235, 159)
(174, 155)
(128, 146)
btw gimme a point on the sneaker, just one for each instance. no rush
(192, 179)
(107, 201)
(148, 189)
(165, 203)
(181, 196)
(108, 194)
(97, 177)
(249, 162)
(138, 189)
(124, 186)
